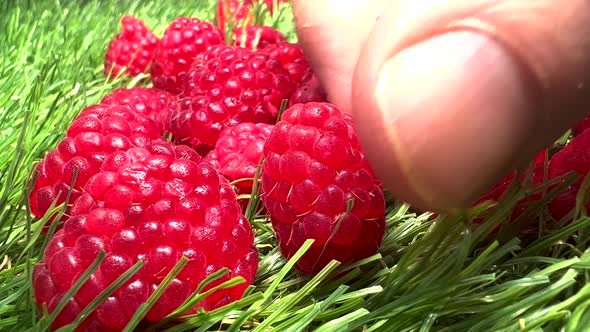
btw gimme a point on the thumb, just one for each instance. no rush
(451, 95)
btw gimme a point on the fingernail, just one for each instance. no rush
(458, 112)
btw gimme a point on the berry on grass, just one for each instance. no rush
(238, 152)
(97, 131)
(227, 86)
(313, 170)
(152, 102)
(132, 50)
(183, 40)
(156, 203)
(255, 37)
(291, 56)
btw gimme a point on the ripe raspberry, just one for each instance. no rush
(156, 203)
(313, 167)
(291, 56)
(183, 40)
(96, 132)
(574, 157)
(233, 13)
(238, 152)
(227, 86)
(254, 37)
(309, 90)
(132, 50)
(581, 126)
(152, 102)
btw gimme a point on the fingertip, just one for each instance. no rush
(442, 120)
(331, 43)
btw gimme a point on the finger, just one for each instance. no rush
(331, 33)
(451, 95)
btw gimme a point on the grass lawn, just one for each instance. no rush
(446, 275)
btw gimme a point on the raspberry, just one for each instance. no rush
(227, 86)
(313, 167)
(309, 90)
(581, 126)
(255, 37)
(574, 157)
(238, 152)
(96, 132)
(132, 50)
(156, 203)
(152, 102)
(183, 40)
(291, 56)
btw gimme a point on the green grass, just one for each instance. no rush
(447, 275)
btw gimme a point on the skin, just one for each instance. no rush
(449, 96)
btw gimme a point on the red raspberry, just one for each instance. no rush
(313, 167)
(96, 132)
(132, 50)
(156, 203)
(152, 102)
(183, 40)
(227, 86)
(581, 126)
(255, 37)
(574, 157)
(309, 90)
(238, 152)
(291, 56)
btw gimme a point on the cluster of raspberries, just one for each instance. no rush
(154, 173)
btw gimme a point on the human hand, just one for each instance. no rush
(449, 96)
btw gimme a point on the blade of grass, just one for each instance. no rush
(145, 307)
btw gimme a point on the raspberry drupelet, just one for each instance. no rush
(155, 203)
(314, 168)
